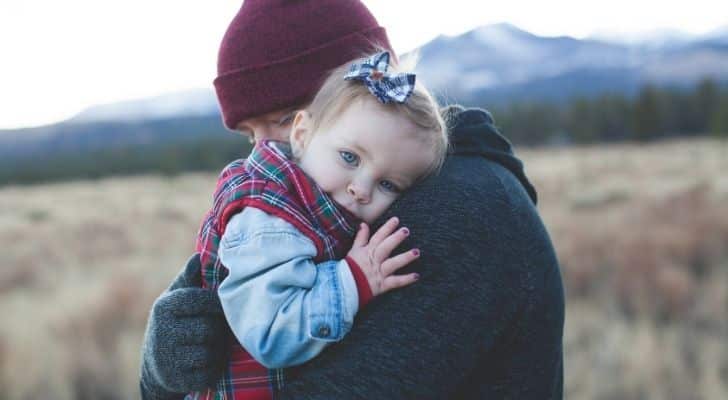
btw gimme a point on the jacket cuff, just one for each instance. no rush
(362, 285)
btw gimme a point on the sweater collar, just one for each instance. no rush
(473, 132)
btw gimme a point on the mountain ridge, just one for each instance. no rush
(488, 66)
(493, 56)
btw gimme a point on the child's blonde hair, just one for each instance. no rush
(337, 94)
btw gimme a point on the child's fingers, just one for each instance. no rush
(362, 235)
(398, 281)
(385, 248)
(384, 231)
(393, 264)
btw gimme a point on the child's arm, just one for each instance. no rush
(282, 307)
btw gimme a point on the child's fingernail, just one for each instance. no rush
(416, 252)
(417, 277)
(405, 231)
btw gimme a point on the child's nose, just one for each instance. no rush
(360, 193)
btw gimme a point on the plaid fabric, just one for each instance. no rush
(270, 181)
(387, 87)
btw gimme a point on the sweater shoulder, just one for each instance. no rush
(472, 186)
(475, 209)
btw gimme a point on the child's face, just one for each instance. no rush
(274, 125)
(364, 159)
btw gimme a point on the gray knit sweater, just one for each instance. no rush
(485, 320)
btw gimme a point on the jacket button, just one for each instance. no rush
(324, 330)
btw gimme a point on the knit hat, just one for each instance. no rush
(276, 53)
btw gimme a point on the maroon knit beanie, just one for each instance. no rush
(276, 53)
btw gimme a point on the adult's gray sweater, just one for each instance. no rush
(485, 321)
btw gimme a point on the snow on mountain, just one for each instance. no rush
(496, 56)
(509, 41)
(496, 62)
(655, 39)
(196, 102)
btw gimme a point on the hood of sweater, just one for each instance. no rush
(473, 132)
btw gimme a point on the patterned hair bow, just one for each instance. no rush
(387, 87)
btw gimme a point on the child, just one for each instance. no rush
(283, 220)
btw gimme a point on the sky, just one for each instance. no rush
(58, 57)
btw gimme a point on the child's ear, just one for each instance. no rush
(300, 131)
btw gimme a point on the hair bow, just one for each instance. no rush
(387, 87)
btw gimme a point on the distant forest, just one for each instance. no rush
(655, 113)
(210, 152)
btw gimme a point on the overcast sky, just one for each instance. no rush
(61, 56)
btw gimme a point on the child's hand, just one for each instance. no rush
(373, 258)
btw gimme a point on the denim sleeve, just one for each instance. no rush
(283, 308)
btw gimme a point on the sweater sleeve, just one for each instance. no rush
(281, 306)
(459, 331)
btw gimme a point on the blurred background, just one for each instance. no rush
(110, 140)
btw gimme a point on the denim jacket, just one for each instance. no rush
(282, 307)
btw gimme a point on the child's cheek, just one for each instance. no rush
(380, 207)
(329, 180)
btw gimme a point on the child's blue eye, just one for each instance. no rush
(349, 157)
(389, 186)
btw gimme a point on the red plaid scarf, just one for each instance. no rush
(270, 181)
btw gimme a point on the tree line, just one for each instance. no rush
(654, 113)
(208, 153)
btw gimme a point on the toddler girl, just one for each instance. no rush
(277, 244)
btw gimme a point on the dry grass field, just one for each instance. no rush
(641, 233)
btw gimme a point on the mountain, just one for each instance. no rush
(497, 64)
(655, 39)
(190, 103)
(501, 63)
(488, 66)
(186, 116)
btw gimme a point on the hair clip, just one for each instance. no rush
(386, 87)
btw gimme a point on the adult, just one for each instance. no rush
(485, 320)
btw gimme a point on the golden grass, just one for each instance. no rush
(641, 233)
